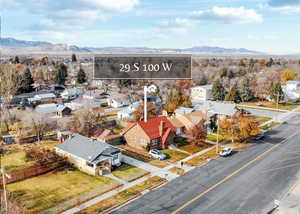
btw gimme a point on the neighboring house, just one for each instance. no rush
(201, 93)
(63, 111)
(118, 101)
(88, 155)
(155, 133)
(184, 122)
(183, 110)
(54, 109)
(63, 135)
(108, 136)
(42, 98)
(291, 90)
(217, 108)
(71, 93)
(98, 83)
(128, 113)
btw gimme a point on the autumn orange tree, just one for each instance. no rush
(139, 113)
(239, 127)
(177, 98)
(198, 133)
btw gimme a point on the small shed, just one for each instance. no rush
(63, 111)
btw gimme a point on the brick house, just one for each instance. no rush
(155, 133)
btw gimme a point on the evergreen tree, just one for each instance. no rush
(74, 58)
(124, 83)
(81, 76)
(276, 93)
(27, 81)
(218, 91)
(232, 95)
(270, 63)
(61, 75)
(17, 60)
(245, 92)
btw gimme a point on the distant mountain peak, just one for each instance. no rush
(15, 46)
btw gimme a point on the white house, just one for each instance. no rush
(291, 90)
(118, 101)
(201, 93)
(71, 93)
(42, 97)
(127, 113)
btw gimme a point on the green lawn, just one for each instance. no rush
(3, 128)
(282, 106)
(123, 196)
(262, 120)
(213, 137)
(200, 159)
(45, 191)
(183, 144)
(177, 170)
(172, 156)
(15, 160)
(128, 173)
(269, 125)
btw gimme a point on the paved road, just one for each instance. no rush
(263, 113)
(252, 188)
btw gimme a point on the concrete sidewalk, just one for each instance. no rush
(104, 196)
(291, 203)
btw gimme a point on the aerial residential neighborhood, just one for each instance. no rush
(121, 135)
(149, 107)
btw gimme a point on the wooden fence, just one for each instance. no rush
(33, 171)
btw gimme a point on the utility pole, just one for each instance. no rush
(4, 188)
(277, 106)
(218, 128)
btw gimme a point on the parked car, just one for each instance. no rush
(225, 152)
(259, 137)
(261, 105)
(157, 154)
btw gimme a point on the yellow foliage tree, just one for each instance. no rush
(287, 74)
(239, 127)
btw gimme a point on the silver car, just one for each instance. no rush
(225, 152)
(157, 154)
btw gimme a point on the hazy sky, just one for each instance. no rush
(271, 26)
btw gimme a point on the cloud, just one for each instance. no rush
(284, 6)
(175, 26)
(282, 3)
(229, 15)
(74, 11)
(8, 4)
(113, 5)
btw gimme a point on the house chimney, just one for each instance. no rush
(161, 128)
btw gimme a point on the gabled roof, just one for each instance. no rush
(88, 149)
(227, 109)
(151, 127)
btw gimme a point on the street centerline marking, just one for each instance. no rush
(233, 174)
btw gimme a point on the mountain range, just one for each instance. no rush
(11, 46)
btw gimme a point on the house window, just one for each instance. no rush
(89, 164)
(143, 141)
(115, 157)
(155, 142)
